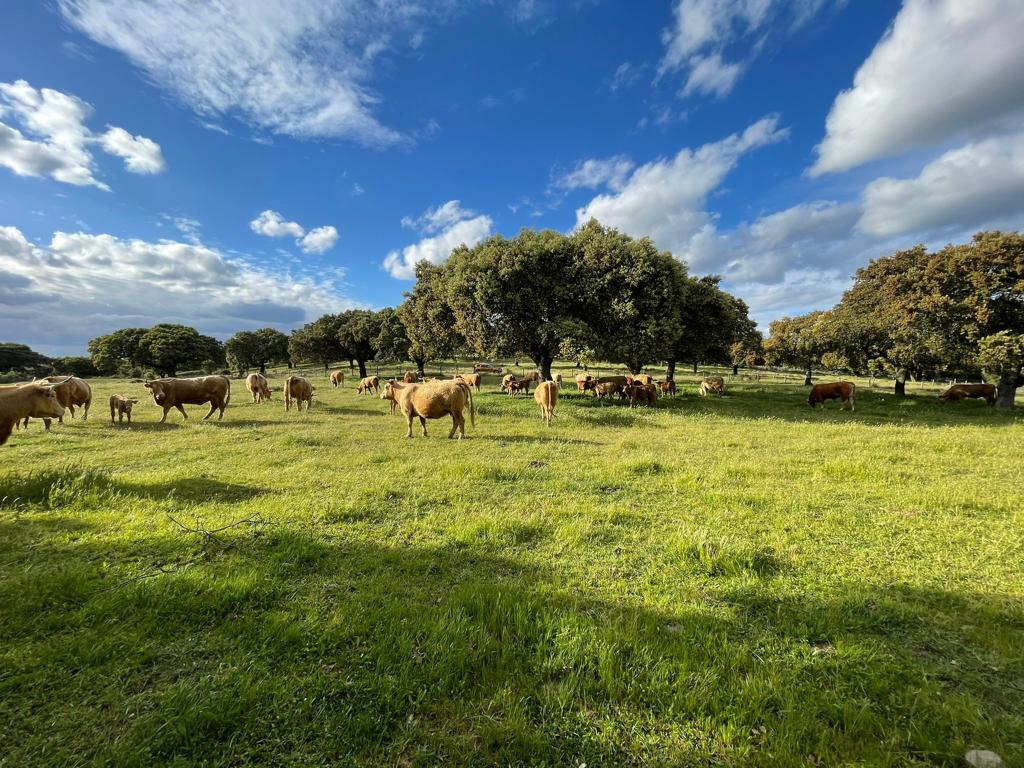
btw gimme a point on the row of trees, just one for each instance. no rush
(955, 312)
(166, 348)
(19, 361)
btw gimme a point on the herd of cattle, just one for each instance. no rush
(48, 398)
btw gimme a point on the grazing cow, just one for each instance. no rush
(668, 387)
(506, 381)
(411, 377)
(604, 389)
(300, 390)
(515, 387)
(392, 391)
(837, 390)
(258, 387)
(473, 379)
(337, 379)
(712, 384)
(546, 396)
(436, 400)
(122, 406)
(958, 392)
(620, 383)
(368, 385)
(581, 381)
(174, 393)
(642, 393)
(35, 400)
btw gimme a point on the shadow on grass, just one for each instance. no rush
(291, 647)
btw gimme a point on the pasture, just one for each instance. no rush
(737, 581)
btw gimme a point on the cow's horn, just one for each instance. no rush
(56, 384)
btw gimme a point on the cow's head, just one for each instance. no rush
(390, 391)
(814, 399)
(157, 388)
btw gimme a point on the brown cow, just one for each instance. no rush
(546, 396)
(258, 387)
(122, 406)
(411, 377)
(712, 384)
(473, 379)
(620, 383)
(581, 381)
(515, 387)
(604, 389)
(392, 391)
(300, 390)
(642, 393)
(174, 393)
(75, 392)
(368, 385)
(337, 379)
(838, 390)
(641, 378)
(668, 387)
(35, 400)
(436, 400)
(531, 376)
(958, 392)
(508, 379)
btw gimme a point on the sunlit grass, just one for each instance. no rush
(735, 580)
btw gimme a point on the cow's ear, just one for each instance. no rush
(148, 385)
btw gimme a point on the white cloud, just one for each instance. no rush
(58, 144)
(273, 224)
(296, 68)
(945, 68)
(81, 285)
(449, 226)
(592, 174)
(624, 76)
(319, 240)
(702, 29)
(664, 199)
(965, 187)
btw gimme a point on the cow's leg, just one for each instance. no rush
(72, 409)
(410, 417)
(423, 423)
(85, 411)
(46, 423)
(181, 408)
(213, 408)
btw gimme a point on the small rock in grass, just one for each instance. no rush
(984, 758)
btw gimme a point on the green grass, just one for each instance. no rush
(734, 581)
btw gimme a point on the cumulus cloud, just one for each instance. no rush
(319, 240)
(945, 68)
(81, 285)
(702, 29)
(299, 68)
(447, 226)
(592, 174)
(58, 142)
(664, 199)
(963, 188)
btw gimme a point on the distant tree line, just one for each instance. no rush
(18, 362)
(956, 312)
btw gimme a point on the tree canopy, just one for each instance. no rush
(114, 352)
(168, 347)
(255, 349)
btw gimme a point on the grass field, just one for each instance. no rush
(734, 581)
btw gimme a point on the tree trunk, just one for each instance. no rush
(695, 367)
(635, 367)
(671, 372)
(263, 366)
(362, 368)
(735, 370)
(545, 368)
(900, 387)
(807, 377)
(352, 365)
(1006, 389)
(420, 363)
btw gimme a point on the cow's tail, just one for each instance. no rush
(227, 399)
(472, 413)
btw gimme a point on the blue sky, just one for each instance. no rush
(258, 163)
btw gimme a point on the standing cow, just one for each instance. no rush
(473, 379)
(75, 392)
(392, 391)
(843, 391)
(337, 379)
(546, 396)
(300, 390)
(258, 387)
(581, 381)
(174, 393)
(436, 400)
(35, 400)
(122, 406)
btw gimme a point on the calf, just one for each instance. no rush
(642, 393)
(515, 387)
(838, 390)
(122, 406)
(668, 387)
(958, 392)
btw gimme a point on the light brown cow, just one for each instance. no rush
(174, 393)
(75, 392)
(642, 393)
(508, 379)
(668, 387)
(546, 396)
(410, 377)
(712, 384)
(838, 390)
(36, 400)
(337, 379)
(531, 376)
(368, 385)
(619, 383)
(436, 400)
(958, 392)
(122, 406)
(258, 387)
(581, 381)
(300, 390)
(641, 378)
(473, 379)
(392, 390)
